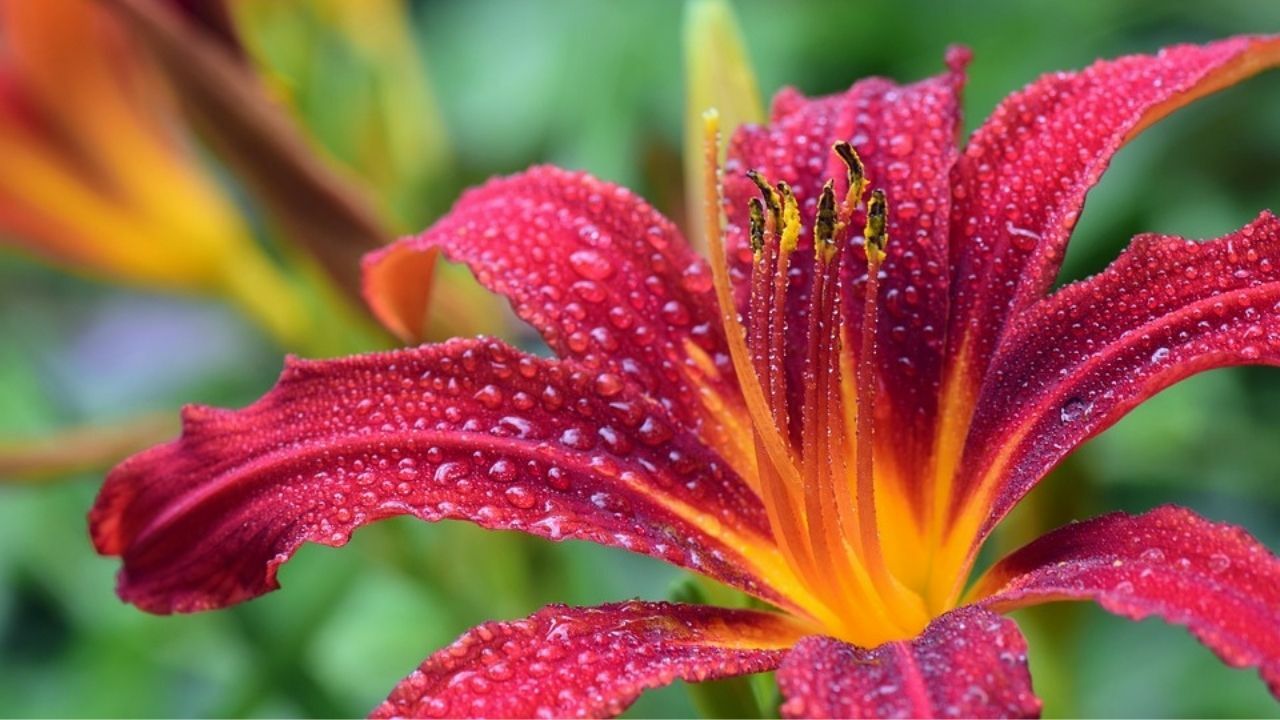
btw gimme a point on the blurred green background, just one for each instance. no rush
(598, 85)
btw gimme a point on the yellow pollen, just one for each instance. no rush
(757, 226)
(875, 233)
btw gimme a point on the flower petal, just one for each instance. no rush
(1215, 579)
(1076, 362)
(469, 429)
(967, 663)
(587, 662)
(1022, 180)
(606, 279)
(906, 137)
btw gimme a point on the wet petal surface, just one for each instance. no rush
(587, 662)
(471, 429)
(1075, 363)
(967, 663)
(1215, 579)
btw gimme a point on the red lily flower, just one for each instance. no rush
(841, 452)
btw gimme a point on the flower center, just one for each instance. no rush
(815, 472)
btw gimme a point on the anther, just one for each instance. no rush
(824, 230)
(756, 207)
(855, 171)
(766, 190)
(790, 234)
(875, 233)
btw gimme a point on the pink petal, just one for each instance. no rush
(587, 662)
(907, 138)
(967, 663)
(1021, 183)
(607, 280)
(1215, 579)
(1076, 362)
(470, 429)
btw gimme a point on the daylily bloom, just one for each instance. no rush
(831, 415)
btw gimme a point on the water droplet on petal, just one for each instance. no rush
(591, 264)
(1153, 555)
(520, 497)
(503, 471)
(901, 145)
(1075, 409)
(608, 385)
(1219, 563)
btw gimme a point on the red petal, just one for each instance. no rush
(906, 136)
(587, 662)
(606, 279)
(967, 663)
(1022, 180)
(1076, 362)
(469, 429)
(1217, 580)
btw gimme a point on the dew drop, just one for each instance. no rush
(499, 671)
(591, 264)
(489, 396)
(1075, 409)
(675, 313)
(558, 479)
(503, 471)
(450, 472)
(696, 279)
(520, 496)
(437, 707)
(653, 431)
(901, 145)
(608, 384)
(1219, 563)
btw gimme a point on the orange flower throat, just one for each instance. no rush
(818, 486)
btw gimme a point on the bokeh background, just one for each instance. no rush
(596, 85)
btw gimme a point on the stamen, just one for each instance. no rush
(820, 465)
(868, 529)
(855, 173)
(778, 314)
(758, 307)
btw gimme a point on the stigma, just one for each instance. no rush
(814, 467)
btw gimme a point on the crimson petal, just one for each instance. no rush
(470, 429)
(1076, 362)
(1022, 180)
(604, 277)
(907, 139)
(587, 662)
(970, 662)
(1215, 579)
